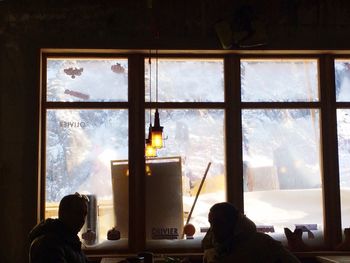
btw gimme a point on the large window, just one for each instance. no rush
(81, 136)
(281, 144)
(249, 130)
(342, 80)
(194, 132)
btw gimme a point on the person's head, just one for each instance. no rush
(72, 211)
(222, 218)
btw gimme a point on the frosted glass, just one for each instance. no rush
(80, 145)
(197, 136)
(282, 175)
(85, 80)
(342, 80)
(280, 80)
(343, 121)
(189, 80)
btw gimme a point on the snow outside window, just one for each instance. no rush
(342, 81)
(89, 80)
(185, 80)
(281, 146)
(282, 80)
(194, 135)
(80, 142)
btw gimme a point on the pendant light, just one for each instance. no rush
(157, 130)
(150, 151)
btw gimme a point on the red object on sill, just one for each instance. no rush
(113, 234)
(189, 230)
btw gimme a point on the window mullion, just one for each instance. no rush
(136, 154)
(331, 191)
(234, 159)
(42, 143)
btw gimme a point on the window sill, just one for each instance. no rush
(311, 256)
(106, 246)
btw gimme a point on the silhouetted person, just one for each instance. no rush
(232, 237)
(56, 240)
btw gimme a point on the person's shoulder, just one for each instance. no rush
(276, 249)
(48, 240)
(209, 255)
(266, 237)
(265, 241)
(46, 247)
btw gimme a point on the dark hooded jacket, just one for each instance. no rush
(245, 245)
(52, 242)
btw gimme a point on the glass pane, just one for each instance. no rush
(343, 119)
(87, 79)
(193, 139)
(186, 80)
(80, 145)
(279, 80)
(282, 175)
(342, 80)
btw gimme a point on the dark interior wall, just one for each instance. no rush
(26, 26)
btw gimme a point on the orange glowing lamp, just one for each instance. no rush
(157, 139)
(150, 151)
(157, 132)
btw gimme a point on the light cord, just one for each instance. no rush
(150, 86)
(156, 75)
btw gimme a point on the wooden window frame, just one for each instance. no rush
(232, 106)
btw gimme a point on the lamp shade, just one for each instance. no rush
(157, 132)
(150, 151)
(157, 139)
